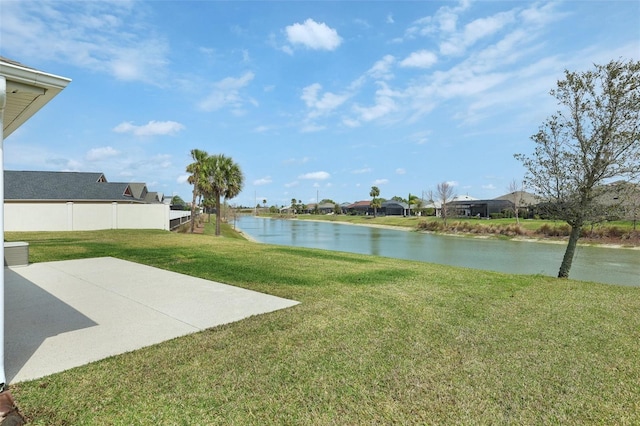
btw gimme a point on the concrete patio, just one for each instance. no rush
(61, 315)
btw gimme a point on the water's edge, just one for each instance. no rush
(606, 264)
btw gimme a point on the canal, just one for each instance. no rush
(605, 265)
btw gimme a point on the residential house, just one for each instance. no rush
(67, 201)
(360, 208)
(326, 208)
(394, 208)
(621, 200)
(23, 92)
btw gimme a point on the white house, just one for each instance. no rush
(23, 91)
(79, 201)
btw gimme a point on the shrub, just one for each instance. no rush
(615, 232)
(430, 225)
(554, 231)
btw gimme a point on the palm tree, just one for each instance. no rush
(375, 203)
(224, 179)
(197, 177)
(413, 200)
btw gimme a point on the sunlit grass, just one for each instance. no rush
(374, 341)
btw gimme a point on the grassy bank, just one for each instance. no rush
(374, 341)
(618, 232)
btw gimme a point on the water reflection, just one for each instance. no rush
(613, 266)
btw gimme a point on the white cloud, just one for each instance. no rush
(444, 20)
(475, 31)
(389, 19)
(540, 14)
(420, 138)
(226, 92)
(291, 184)
(384, 105)
(94, 36)
(420, 59)
(287, 49)
(311, 128)
(382, 68)
(97, 154)
(360, 171)
(315, 175)
(183, 178)
(152, 128)
(349, 122)
(262, 181)
(362, 22)
(314, 35)
(380, 181)
(162, 161)
(302, 160)
(321, 105)
(400, 171)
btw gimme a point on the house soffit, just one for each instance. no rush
(27, 91)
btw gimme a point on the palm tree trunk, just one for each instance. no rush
(565, 267)
(218, 214)
(193, 208)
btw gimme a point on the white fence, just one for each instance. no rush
(84, 216)
(178, 217)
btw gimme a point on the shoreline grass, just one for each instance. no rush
(619, 234)
(374, 341)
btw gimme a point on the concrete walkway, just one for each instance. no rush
(61, 315)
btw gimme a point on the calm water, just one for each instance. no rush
(606, 265)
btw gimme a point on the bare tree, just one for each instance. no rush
(444, 193)
(515, 196)
(593, 140)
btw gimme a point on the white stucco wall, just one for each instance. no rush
(84, 216)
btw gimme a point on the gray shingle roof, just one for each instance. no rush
(63, 186)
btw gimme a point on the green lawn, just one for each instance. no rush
(374, 341)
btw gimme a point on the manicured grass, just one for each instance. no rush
(374, 341)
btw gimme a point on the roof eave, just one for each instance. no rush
(29, 78)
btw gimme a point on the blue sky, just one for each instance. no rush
(312, 99)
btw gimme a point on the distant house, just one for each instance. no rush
(286, 210)
(322, 208)
(360, 208)
(461, 205)
(614, 201)
(472, 207)
(621, 200)
(326, 208)
(394, 208)
(65, 201)
(344, 207)
(522, 198)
